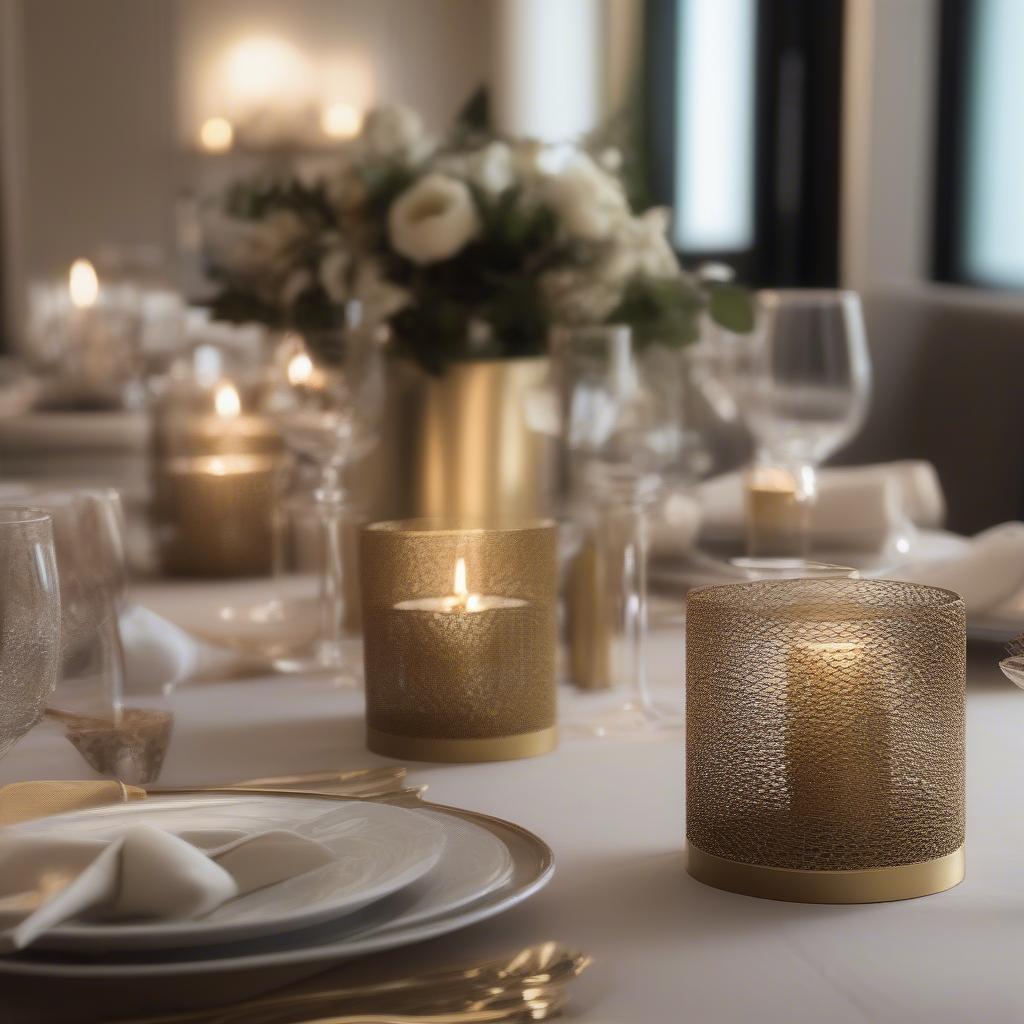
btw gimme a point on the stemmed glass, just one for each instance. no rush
(621, 435)
(327, 402)
(30, 651)
(806, 393)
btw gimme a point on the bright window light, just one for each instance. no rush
(993, 253)
(714, 187)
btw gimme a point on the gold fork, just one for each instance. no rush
(532, 982)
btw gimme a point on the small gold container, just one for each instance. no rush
(215, 472)
(825, 739)
(459, 625)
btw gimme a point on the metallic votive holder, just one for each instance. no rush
(448, 680)
(825, 739)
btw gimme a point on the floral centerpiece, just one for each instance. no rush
(469, 250)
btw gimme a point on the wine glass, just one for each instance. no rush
(30, 651)
(88, 537)
(328, 403)
(621, 436)
(806, 394)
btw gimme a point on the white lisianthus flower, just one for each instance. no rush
(588, 201)
(577, 295)
(433, 219)
(334, 274)
(255, 254)
(490, 168)
(640, 247)
(394, 133)
(380, 298)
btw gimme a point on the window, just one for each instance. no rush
(744, 112)
(980, 193)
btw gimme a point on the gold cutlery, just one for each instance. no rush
(531, 985)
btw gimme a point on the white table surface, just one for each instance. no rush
(665, 947)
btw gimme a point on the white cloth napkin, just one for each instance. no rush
(145, 873)
(157, 654)
(859, 508)
(986, 570)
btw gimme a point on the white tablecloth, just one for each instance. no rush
(665, 947)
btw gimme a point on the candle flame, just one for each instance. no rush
(226, 401)
(300, 369)
(461, 590)
(83, 284)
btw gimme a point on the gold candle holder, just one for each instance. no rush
(214, 475)
(459, 629)
(825, 739)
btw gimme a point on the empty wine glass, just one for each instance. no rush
(806, 394)
(88, 536)
(30, 652)
(327, 403)
(621, 436)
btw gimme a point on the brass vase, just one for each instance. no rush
(467, 444)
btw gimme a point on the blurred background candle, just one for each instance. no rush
(778, 508)
(215, 470)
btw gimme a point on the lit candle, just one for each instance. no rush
(461, 659)
(215, 514)
(834, 732)
(459, 631)
(778, 512)
(216, 135)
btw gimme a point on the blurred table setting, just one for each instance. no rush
(415, 498)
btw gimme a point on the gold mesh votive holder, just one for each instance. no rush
(825, 739)
(459, 627)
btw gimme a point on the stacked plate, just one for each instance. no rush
(402, 874)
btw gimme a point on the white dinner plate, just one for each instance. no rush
(503, 863)
(380, 849)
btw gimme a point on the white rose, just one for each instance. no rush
(433, 219)
(589, 202)
(394, 133)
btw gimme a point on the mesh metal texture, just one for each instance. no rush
(458, 675)
(825, 723)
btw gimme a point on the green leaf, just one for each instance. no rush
(731, 307)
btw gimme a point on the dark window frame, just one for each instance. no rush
(791, 247)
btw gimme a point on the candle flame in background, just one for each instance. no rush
(216, 135)
(83, 284)
(300, 369)
(226, 401)
(217, 466)
(340, 121)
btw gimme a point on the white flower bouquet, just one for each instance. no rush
(468, 252)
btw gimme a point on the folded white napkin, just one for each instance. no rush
(144, 873)
(157, 653)
(986, 570)
(859, 508)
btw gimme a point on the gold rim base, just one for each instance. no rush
(497, 748)
(874, 885)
